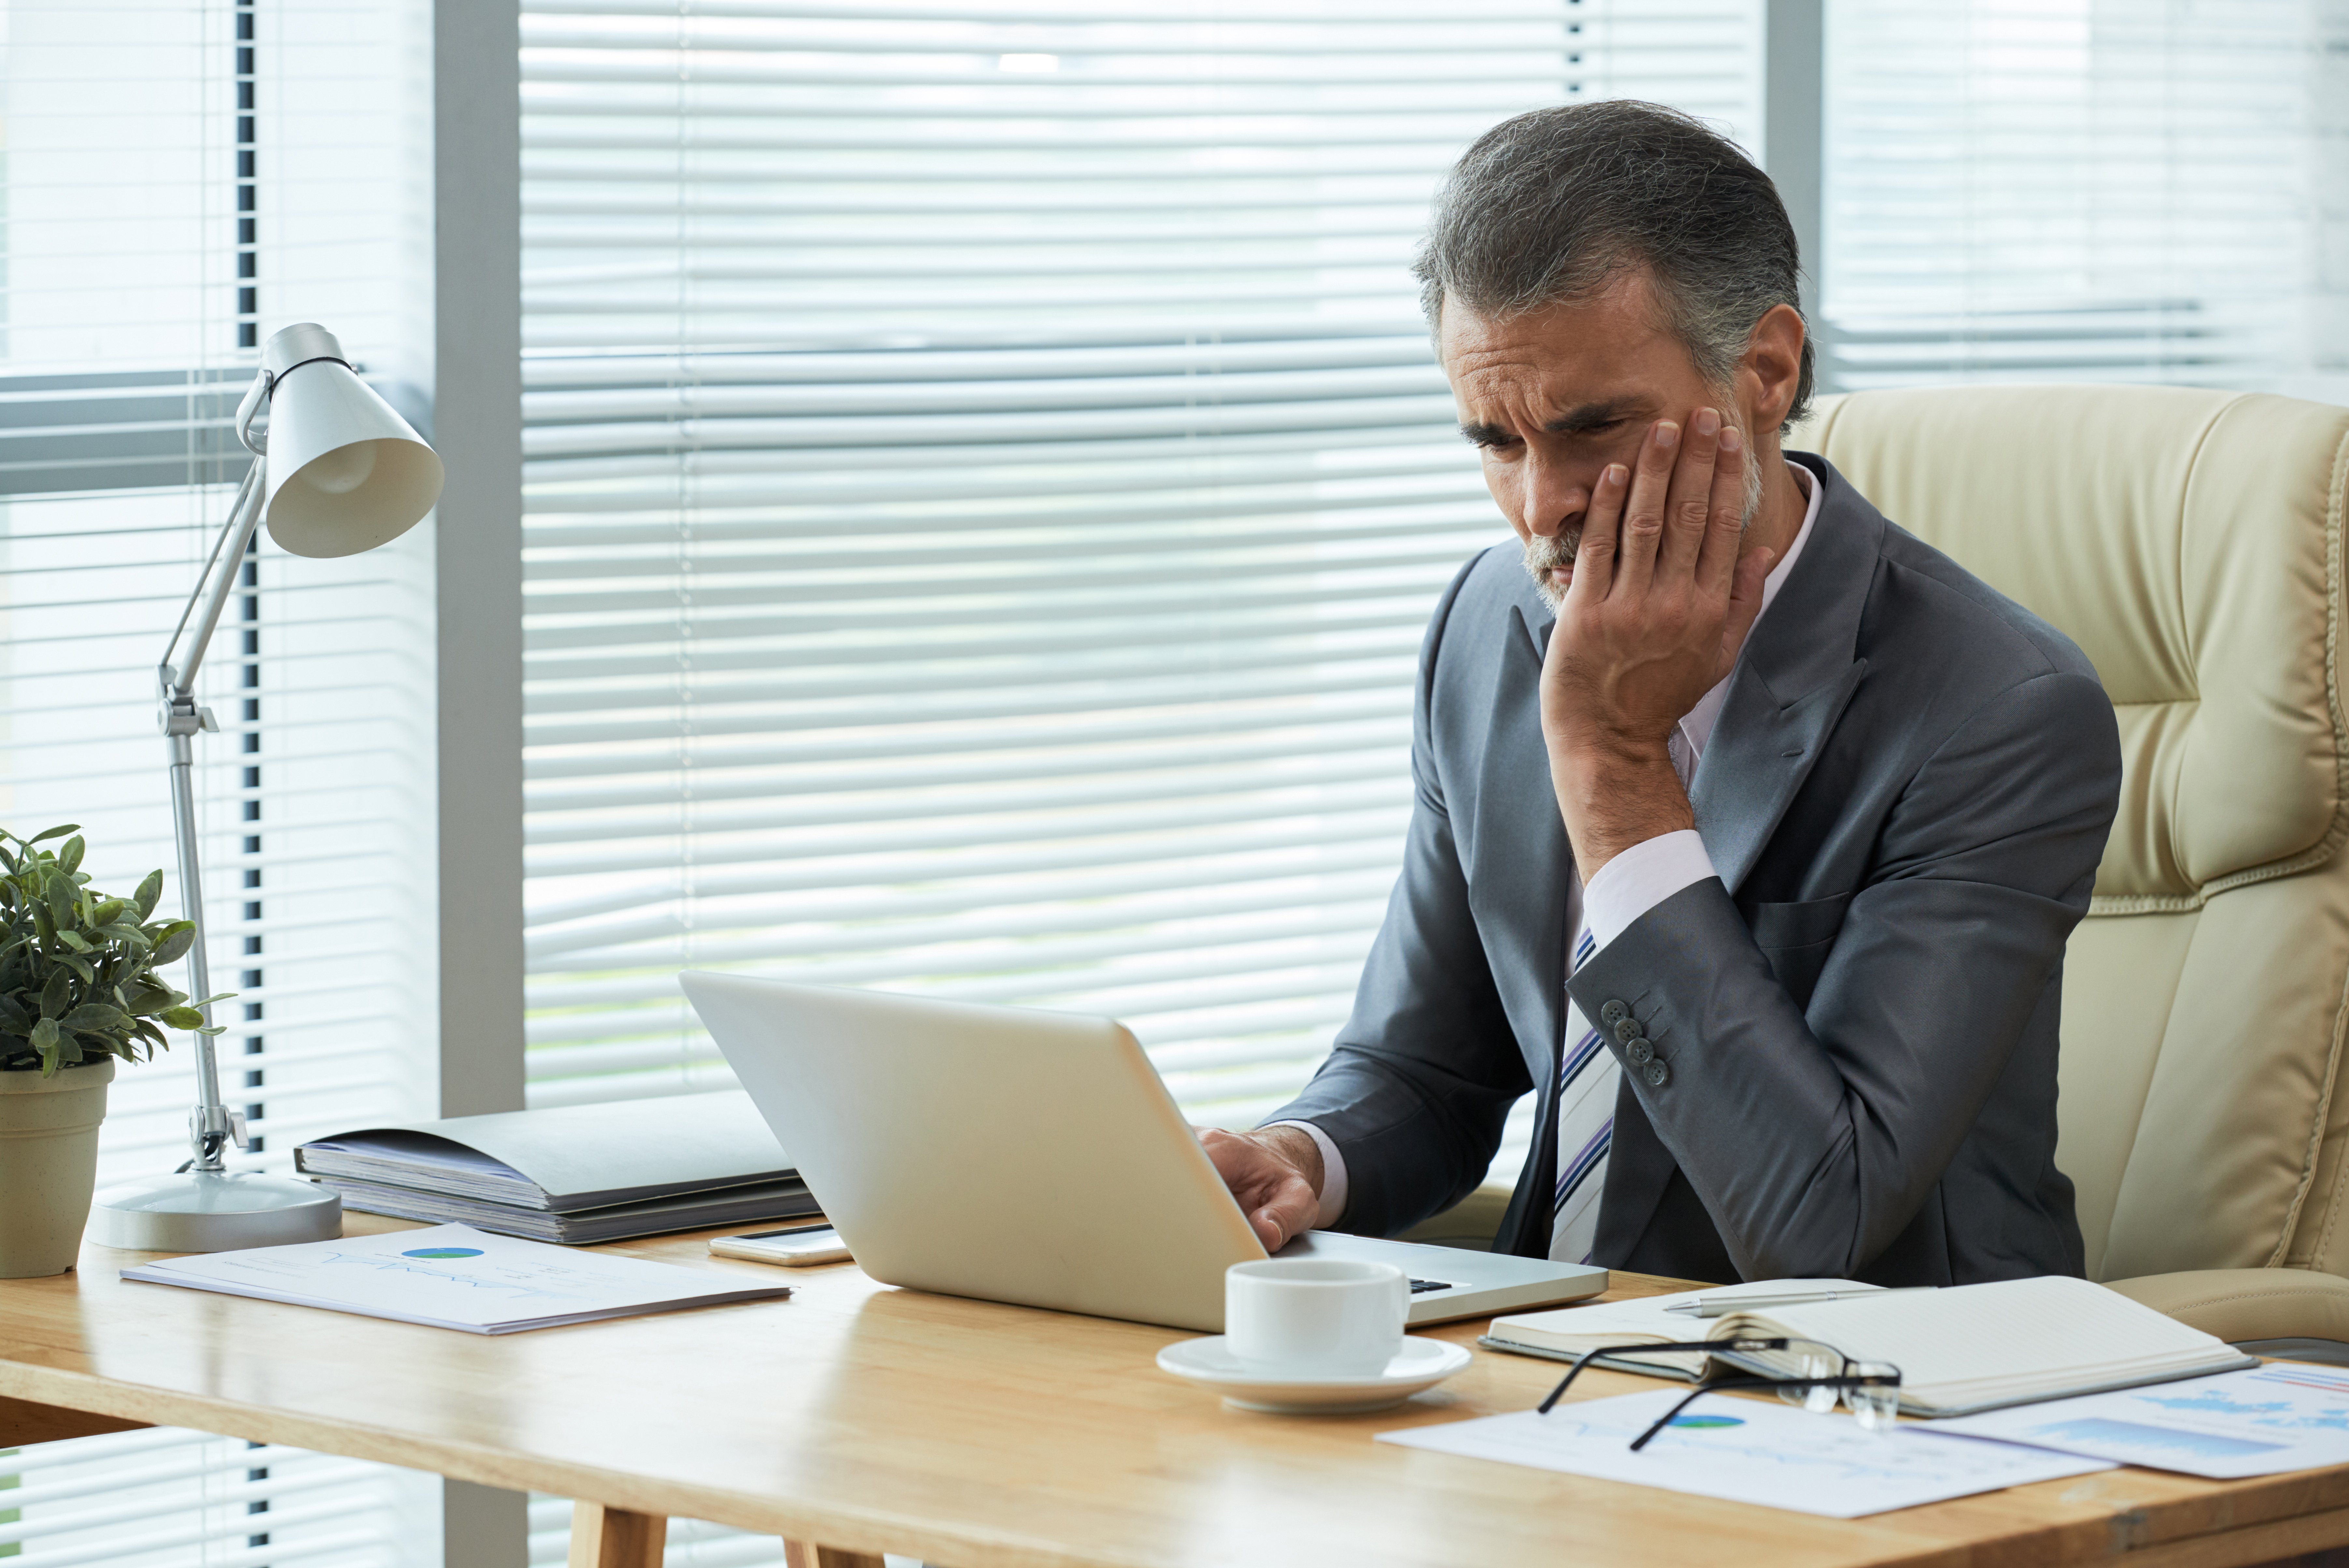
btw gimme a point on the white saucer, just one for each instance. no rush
(1424, 1364)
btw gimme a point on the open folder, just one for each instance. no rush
(571, 1174)
(1960, 1349)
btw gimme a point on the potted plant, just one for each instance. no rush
(77, 990)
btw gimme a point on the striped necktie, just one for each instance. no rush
(1586, 1077)
(1588, 1074)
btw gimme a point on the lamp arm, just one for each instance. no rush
(208, 1125)
(244, 517)
(211, 1126)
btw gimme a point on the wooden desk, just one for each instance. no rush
(981, 1436)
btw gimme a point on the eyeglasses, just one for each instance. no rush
(1869, 1389)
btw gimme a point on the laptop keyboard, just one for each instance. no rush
(1419, 1285)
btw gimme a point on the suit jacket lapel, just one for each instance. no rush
(1522, 868)
(1522, 862)
(1792, 682)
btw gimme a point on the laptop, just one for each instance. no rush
(1032, 1157)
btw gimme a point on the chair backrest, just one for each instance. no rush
(2191, 542)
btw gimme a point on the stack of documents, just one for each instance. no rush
(572, 1174)
(451, 1276)
(1961, 1349)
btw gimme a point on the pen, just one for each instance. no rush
(1722, 1306)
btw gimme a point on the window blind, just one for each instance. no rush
(182, 177)
(986, 482)
(2070, 189)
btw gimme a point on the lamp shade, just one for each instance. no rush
(346, 471)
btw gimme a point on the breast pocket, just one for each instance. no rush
(1797, 938)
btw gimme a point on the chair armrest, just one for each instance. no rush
(2238, 1304)
(1470, 1224)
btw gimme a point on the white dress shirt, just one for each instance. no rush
(1640, 877)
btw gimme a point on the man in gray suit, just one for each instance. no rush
(1749, 828)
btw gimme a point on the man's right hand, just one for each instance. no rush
(1276, 1173)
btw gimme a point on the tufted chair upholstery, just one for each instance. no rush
(2191, 542)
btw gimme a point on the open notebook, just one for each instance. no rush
(1965, 1348)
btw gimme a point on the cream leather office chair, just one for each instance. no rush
(2191, 543)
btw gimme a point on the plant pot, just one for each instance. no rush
(48, 1164)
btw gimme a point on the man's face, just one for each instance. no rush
(1552, 396)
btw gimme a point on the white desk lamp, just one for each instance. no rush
(344, 473)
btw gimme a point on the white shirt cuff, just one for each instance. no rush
(1639, 879)
(1333, 1174)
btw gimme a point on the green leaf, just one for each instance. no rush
(148, 997)
(80, 966)
(74, 940)
(149, 891)
(97, 1018)
(43, 927)
(52, 832)
(71, 855)
(12, 1016)
(55, 994)
(65, 909)
(47, 1040)
(117, 931)
(184, 1018)
(108, 911)
(173, 941)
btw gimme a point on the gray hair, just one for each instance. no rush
(1551, 206)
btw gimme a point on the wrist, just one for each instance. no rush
(1615, 792)
(1295, 1147)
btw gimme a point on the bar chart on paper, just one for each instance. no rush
(1749, 1450)
(2280, 1416)
(452, 1276)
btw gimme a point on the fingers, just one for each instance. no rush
(1643, 514)
(1272, 1193)
(1288, 1214)
(1690, 502)
(1595, 553)
(1723, 530)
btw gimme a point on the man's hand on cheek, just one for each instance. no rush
(1659, 603)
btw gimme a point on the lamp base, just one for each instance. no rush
(213, 1211)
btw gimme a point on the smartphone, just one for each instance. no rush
(793, 1246)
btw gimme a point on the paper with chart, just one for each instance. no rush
(1751, 1450)
(453, 1276)
(2281, 1417)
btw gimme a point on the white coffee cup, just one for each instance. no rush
(1315, 1317)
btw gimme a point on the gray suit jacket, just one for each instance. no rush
(1906, 797)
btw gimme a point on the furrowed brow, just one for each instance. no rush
(1591, 416)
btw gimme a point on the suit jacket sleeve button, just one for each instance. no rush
(1614, 1012)
(1627, 1030)
(1640, 1052)
(1657, 1074)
